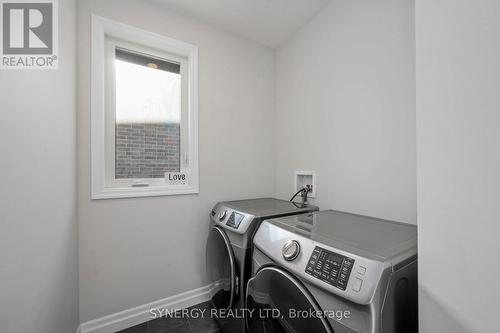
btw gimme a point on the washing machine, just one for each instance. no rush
(332, 271)
(228, 252)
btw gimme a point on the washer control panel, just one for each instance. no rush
(330, 267)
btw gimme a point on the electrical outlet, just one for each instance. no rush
(304, 178)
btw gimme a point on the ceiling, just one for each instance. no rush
(270, 22)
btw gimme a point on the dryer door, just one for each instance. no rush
(273, 297)
(221, 269)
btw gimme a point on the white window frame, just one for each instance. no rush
(106, 35)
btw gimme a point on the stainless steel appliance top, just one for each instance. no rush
(242, 216)
(267, 207)
(372, 237)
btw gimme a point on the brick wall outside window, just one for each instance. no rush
(147, 150)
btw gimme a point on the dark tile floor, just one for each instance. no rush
(203, 324)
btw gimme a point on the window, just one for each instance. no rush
(144, 113)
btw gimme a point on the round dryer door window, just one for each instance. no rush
(221, 269)
(274, 298)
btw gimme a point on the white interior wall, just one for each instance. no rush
(458, 75)
(38, 213)
(345, 108)
(134, 251)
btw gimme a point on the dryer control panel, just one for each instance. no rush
(230, 219)
(330, 267)
(234, 220)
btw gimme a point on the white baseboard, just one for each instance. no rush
(140, 314)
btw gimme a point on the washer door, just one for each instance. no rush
(221, 269)
(273, 297)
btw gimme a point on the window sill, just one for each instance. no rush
(139, 192)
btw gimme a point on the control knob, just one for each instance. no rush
(222, 215)
(291, 250)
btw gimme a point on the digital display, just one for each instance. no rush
(332, 258)
(238, 218)
(234, 220)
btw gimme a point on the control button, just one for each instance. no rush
(347, 263)
(357, 284)
(341, 284)
(361, 270)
